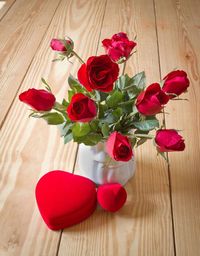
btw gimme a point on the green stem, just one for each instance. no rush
(180, 99)
(123, 69)
(126, 102)
(59, 107)
(98, 108)
(108, 162)
(78, 57)
(128, 87)
(143, 135)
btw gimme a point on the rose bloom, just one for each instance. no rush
(40, 100)
(176, 82)
(169, 140)
(118, 47)
(99, 73)
(81, 108)
(57, 45)
(119, 147)
(152, 100)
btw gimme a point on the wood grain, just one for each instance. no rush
(5, 6)
(143, 227)
(179, 36)
(21, 30)
(29, 148)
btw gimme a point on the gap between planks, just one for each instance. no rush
(4, 9)
(164, 119)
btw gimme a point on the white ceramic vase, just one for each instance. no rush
(95, 164)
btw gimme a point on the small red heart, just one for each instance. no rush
(111, 197)
(65, 199)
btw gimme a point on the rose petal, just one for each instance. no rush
(82, 77)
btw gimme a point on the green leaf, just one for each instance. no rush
(102, 110)
(65, 128)
(68, 138)
(133, 142)
(121, 82)
(141, 132)
(80, 129)
(147, 124)
(94, 124)
(117, 126)
(103, 95)
(90, 139)
(59, 107)
(46, 84)
(65, 103)
(108, 117)
(134, 111)
(72, 81)
(105, 130)
(114, 99)
(75, 85)
(53, 118)
(97, 95)
(164, 155)
(139, 80)
(70, 94)
(117, 113)
(133, 86)
(134, 92)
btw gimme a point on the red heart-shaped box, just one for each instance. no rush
(65, 199)
(111, 197)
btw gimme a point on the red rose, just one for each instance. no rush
(99, 73)
(57, 45)
(118, 46)
(39, 100)
(152, 100)
(169, 140)
(176, 82)
(81, 108)
(119, 147)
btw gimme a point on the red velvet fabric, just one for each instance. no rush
(111, 197)
(65, 199)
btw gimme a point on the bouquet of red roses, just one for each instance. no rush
(103, 106)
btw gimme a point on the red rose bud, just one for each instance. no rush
(40, 100)
(81, 108)
(176, 82)
(169, 140)
(99, 73)
(152, 100)
(59, 45)
(119, 147)
(119, 47)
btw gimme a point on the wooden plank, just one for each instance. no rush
(5, 6)
(28, 148)
(21, 32)
(179, 34)
(143, 226)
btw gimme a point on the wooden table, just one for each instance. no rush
(162, 214)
